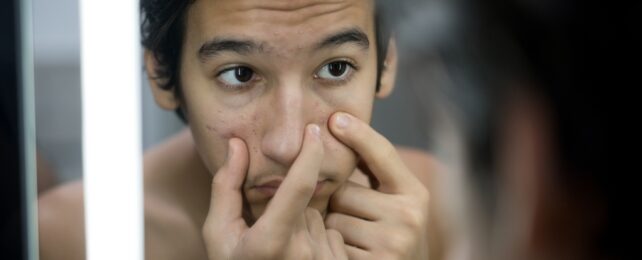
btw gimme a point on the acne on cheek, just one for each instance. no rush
(245, 126)
(240, 126)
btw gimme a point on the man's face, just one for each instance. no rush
(262, 70)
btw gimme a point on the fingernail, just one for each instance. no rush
(342, 121)
(315, 130)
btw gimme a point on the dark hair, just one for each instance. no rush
(163, 29)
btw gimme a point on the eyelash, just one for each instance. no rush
(351, 66)
(239, 87)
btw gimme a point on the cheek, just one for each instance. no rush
(225, 125)
(218, 128)
(339, 160)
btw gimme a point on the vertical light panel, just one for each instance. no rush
(111, 142)
(28, 129)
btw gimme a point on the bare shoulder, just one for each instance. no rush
(61, 222)
(171, 231)
(419, 162)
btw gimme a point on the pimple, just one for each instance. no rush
(211, 128)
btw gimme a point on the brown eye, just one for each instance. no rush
(336, 70)
(243, 74)
(236, 76)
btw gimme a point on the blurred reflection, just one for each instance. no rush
(521, 125)
(58, 127)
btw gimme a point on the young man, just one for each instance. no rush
(277, 96)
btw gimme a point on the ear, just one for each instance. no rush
(389, 72)
(165, 98)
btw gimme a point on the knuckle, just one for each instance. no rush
(398, 243)
(303, 251)
(269, 250)
(411, 213)
(265, 247)
(205, 230)
(422, 194)
(334, 234)
(207, 237)
(217, 181)
(209, 233)
(339, 196)
(412, 218)
(331, 221)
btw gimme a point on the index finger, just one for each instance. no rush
(226, 203)
(378, 153)
(296, 190)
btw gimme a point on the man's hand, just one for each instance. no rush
(389, 222)
(288, 229)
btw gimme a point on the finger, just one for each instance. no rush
(226, 203)
(337, 245)
(296, 190)
(315, 226)
(377, 152)
(355, 253)
(355, 231)
(356, 200)
(317, 232)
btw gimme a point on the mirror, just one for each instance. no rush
(340, 130)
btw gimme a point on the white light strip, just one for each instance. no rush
(28, 117)
(112, 148)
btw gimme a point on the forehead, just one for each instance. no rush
(286, 25)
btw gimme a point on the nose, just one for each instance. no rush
(285, 124)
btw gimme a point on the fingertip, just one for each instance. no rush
(230, 149)
(340, 121)
(236, 147)
(314, 130)
(236, 161)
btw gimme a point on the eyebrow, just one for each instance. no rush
(219, 45)
(352, 35)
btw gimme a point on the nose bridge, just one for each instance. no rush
(284, 136)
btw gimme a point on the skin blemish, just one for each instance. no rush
(211, 128)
